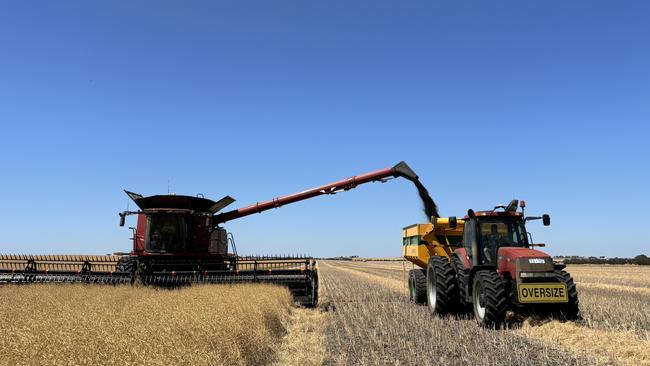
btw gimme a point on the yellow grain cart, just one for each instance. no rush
(421, 241)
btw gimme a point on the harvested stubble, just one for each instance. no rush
(615, 298)
(616, 325)
(373, 324)
(88, 325)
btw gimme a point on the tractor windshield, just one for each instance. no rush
(499, 232)
(167, 232)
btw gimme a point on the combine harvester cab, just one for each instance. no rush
(180, 240)
(486, 264)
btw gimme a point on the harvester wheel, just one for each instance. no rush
(570, 310)
(418, 286)
(442, 292)
(126, 264)
(489, 299)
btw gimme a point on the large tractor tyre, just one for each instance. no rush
(442, 292)
(462, 279)
(489, 299)
(571, 310)
(418, 286)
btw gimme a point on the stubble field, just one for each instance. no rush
(363, 318)
(374, 323)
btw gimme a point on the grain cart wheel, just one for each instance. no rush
(418, 286)
(442, 292)
(489, 299)
(570, 310)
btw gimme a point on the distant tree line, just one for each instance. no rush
(640, 259)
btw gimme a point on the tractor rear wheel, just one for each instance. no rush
(462, 279)
(570, 310)
(417, 286)
(489, 299)
(442, 292)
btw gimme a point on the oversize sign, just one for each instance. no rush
(543, 292)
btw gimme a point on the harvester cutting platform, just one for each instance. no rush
(486, 263)
(180, 240)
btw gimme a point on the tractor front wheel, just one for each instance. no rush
(417, 286)
(489, 299)
(569, 311)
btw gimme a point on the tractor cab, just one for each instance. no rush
(485, 232)
(494, 232)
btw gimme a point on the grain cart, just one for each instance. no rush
(486, 263)
(180, 240)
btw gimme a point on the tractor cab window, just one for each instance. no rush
(167, 232)
(496, 233)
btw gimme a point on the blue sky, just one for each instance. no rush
(487, 101)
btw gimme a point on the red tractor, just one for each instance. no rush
(487, 263)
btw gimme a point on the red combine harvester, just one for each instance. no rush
(180, 240)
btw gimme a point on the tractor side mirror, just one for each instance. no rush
(122, 219)
(546, 219)
(453, 222)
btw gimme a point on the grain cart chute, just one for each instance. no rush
(180, 240)
(486, 262)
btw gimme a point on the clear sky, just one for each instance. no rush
(548, 101)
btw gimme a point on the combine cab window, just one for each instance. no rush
(167, 232)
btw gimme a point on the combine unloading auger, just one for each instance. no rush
(179, 240)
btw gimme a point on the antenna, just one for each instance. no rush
(167, 186)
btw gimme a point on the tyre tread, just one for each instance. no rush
(446, 287)
(570, 310)
(419, 278)
(496, 301)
